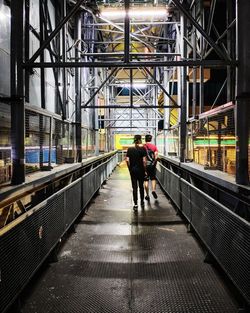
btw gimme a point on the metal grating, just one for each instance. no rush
(226, 235)
(115, 264)
(25, 246)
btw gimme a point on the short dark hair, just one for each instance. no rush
(148, 138)
(137, 138)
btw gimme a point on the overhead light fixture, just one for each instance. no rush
(135, 85)
(137, 12)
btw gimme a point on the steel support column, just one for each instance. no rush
(243, 93)
(99, 88)
(42, 70)
(78, 111)
(126, 32)
(56, 30)
(17, 92)
(64, 73)
(183, 119)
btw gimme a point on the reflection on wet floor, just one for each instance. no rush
(119, 261)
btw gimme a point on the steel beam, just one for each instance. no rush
(205, 63)
(161, 87)
(127, 107)
(100, 87)
(17, 92)
(200, 29)
(243, 94)
(42, 70)
(78, 111)
(56, 31)
(126, 32)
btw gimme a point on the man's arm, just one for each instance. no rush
(127, 161)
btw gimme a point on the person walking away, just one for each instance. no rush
(152, 155)
(136, 162)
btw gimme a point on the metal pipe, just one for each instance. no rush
(183, 81)
(27, 48)
(205, 63)
(127, 107)
(78, 114)
(126, 32)
(113, 54)
(100, 87)
(161, 87)
(42, 73)
(56, 31)
(17, 93)
(128, 119)
(64, 74)
(243, 94)
(200, 29)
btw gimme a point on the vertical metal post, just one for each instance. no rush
(155, 95)
(96, 130)
(202, 55)
(50, 140)
(127, 31)
(42, 70)
(131, 94)
(231, 51)
(27, 48)
(78, 114)
(183, 120)
(243, 93)
(194, 98)
(64, 72)
(17, 92)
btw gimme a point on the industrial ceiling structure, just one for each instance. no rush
(140, 66)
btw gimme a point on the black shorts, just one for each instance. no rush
(151, 172)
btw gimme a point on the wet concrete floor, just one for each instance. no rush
(119, 261)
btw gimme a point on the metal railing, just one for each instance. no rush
(225, 234)
(28, 240)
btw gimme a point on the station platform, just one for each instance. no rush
(121, 261)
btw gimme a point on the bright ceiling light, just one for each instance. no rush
(135, 85)
(135, 12)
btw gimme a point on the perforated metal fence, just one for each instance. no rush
(213, 138)
(225, 234)
(49, 141)
(210, 140)
(27, 241)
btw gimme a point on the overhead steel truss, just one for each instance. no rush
(183, 40)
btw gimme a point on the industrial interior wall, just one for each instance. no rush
(63, 131)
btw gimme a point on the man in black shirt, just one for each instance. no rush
(136, 161)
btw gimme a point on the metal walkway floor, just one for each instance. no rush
(121, 262)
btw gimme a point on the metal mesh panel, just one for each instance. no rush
(227, 237)
(214, 141)
(185, 199)
(19, 257)
(24, 246)
(73, 203)
(173, 142)
(5, 143)
(91, 142)
(170, 182)
(52, 221)
(63, 142)
(225, 234)
(37, 141)
(84, 142)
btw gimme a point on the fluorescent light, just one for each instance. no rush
(136, 85)
(135, 12)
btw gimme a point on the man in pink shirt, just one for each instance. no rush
(152, 155)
